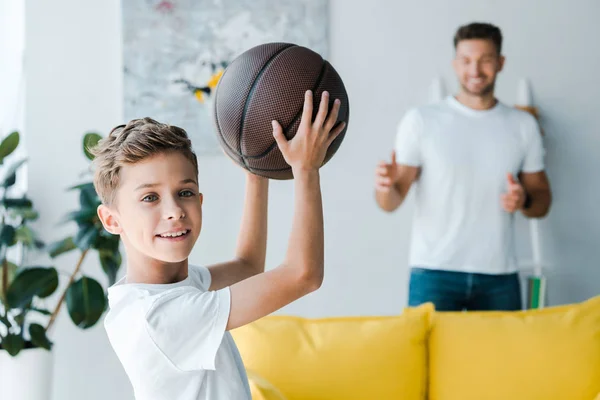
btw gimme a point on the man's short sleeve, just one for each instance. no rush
(408, 139)
(187, 325)
(534, 150)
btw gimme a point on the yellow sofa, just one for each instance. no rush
(547, 354)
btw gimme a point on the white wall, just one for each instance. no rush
(73, 62)
(388, 52)
(12, 38)
(12, 85)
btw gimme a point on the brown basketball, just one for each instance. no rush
(268, 83)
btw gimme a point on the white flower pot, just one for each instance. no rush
(28, 376)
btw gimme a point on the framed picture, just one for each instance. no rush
(174, 52)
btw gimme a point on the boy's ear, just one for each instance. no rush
(201, 196)
(109, 220)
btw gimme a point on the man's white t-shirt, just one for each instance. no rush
(465, 155)
(172, 342)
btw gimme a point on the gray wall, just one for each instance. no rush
(388, 52)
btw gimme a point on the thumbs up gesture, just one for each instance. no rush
(514, 198)
(386, 175)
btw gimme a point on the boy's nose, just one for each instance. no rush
(174, 212)
(176, 215)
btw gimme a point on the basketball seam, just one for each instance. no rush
(223, 141)
(270, 170)
(298, 114)
(249, 96)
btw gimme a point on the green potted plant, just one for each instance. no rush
(25, 320)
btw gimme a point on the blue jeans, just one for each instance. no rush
(457, 291)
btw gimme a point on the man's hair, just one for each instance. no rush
(132, 143)
(478, 30)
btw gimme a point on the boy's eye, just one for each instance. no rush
(150, 198)
(186, 193)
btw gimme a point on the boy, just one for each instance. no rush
(168, 321)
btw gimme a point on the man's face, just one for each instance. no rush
(476, 64)
(158, 208)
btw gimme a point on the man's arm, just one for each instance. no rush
(252, 238)
(392, 183)
(538, 196)
(393, 180)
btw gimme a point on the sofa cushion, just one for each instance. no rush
(262, 389)
(547, 354)
(350, 358)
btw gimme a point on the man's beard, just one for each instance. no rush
(483, 92)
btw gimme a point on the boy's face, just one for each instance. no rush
(157, 208)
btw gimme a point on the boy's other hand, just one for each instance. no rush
(307, 150)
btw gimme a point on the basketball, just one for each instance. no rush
(266, 83)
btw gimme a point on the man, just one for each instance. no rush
(474, 163)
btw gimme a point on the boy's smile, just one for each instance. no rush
(175, 234)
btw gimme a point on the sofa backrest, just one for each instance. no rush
(354, 358)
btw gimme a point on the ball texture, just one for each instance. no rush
(266, 83)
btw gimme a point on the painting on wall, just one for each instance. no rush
(174, 52)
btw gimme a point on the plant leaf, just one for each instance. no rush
(62, 246)
(20, 203)
(38, 336)
(8, 145)
(90, 140)
(111, 262)
(86, 302)
(20, 318)
(86, 215)
(25, 235)
(41, 311)
(10, 176)
(9, 181)
(26, 213)
(12, 271)
(7, 235)
(107, 242)
(88, 198)
(30, 282)
(78, 186)
(5, 321)
(86, 236)
(13, 344)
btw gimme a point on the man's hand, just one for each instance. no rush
(386, 175)
(514, 199)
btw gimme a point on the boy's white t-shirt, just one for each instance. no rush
(465, 155)
(172, 342)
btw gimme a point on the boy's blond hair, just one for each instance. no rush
(132, 143)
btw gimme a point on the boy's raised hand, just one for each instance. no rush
(306, 151)
(302, 268)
